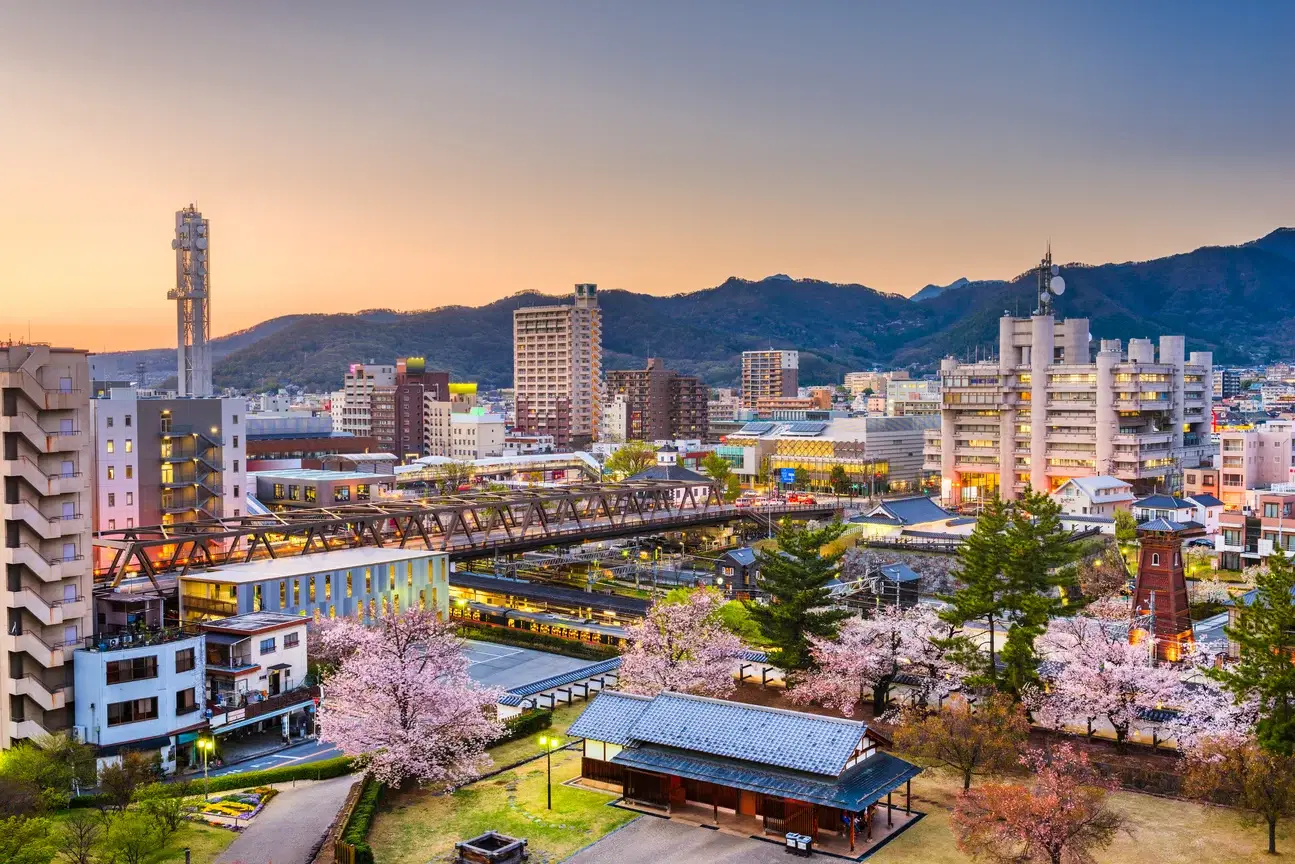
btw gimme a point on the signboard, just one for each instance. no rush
(787, 475)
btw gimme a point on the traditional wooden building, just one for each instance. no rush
(758, 769)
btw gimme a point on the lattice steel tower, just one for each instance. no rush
(192, 296)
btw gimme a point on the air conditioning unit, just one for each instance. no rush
(78, 734)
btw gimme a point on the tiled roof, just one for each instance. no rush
(744, 556)
(864, 784)
(1162, 502)
(591, 671)
(911, 511)
(898, 572)
(609, 717)
(670, 472)
(1163, 525)
(768, 736)
(1205, 500)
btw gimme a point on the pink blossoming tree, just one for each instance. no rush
(869, 653)
(1098, 674)
(401, 701)
(681, 646)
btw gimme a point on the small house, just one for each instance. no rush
(738, 569)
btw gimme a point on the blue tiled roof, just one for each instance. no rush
(752, 733)
(862, 785)
(744, 556)
(1206, 500)
(913, 510)
(609, 717)
(1163, 525)
(750, 656)
(899, 572)
(580, 674)
(1162, 502)
(670, 472)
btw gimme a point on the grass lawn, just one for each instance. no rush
(419, 827)
(205, 843)
(515, 751)
(1161, 830)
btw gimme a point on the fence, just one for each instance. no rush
(343, 852)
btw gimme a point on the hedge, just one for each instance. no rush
(324, 769)
(356, 832)
(539, 641)
(525, 724)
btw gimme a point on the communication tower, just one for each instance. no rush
(192, 296)
(1050, 283)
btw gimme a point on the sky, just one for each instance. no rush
(410, 155)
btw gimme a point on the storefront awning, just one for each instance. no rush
(279, 667)
(278, 712)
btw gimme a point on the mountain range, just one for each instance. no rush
(1237, 301)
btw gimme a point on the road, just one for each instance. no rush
(297, 754)
(291, 826)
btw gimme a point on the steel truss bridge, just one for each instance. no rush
(466, 525)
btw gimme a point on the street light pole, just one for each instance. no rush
(549, 743)
(205, 745)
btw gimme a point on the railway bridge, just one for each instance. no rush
(467, 525)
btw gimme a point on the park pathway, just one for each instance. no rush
(292, 825)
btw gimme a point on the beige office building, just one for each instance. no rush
(45, 421)
(1045, 412)
(769, 375)
(558, 369)
(359, 387)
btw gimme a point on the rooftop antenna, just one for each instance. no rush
(1050, 283)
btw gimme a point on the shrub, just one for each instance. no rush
(356, 831)
(526, 724)
(322, 770)
(540, 641)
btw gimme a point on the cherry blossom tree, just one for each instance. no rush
(681, 646)
(870, 652)
(1097, 673)
(401, 701)
(971, 740)
(1060, 818)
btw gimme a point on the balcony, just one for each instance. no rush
(140, 638)
(50, 613)
(42, 439)
(44, 398)
(52, 569)
(48, 698)
(48, 527)
(49, 655)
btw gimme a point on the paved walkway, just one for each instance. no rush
(649, 840)
(291, 826)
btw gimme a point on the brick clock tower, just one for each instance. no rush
(1160, 593)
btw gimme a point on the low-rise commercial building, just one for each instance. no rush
(476, 435)
(141, 691)
(311, 487)
(256, 676)
(1249, 535)
(907, 398)
(351, 583)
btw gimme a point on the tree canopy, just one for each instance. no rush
(795, 577)
(630, 458)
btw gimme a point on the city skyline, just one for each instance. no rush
(409, 157)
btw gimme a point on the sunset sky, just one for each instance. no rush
(415, 154)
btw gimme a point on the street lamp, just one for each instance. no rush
(550, 743)
(206, 745)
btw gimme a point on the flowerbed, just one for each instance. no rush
(236, 805)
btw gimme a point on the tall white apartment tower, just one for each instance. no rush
(45, 429)
(1048, 410)
(558, 369)
(192, 296)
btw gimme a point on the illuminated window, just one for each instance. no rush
(256, 598)
(110, 446)
(283, 593)
(368, 580)
(348, 584)
(409, 574)
(130, 445)
(312, 589)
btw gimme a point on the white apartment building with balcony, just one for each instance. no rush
(45, 430)
(558, 369)
(1045, 412)
(355, 414)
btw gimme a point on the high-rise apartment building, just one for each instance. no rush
(162, 461)
(1227, 383)
(1255, 459)
(415, 383)
(45, 429)
(768, 374)
(360, 384)
(557, 369)
(659, 404)
(1045, 412)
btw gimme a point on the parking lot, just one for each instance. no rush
(505, 666)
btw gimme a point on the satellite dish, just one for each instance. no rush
(1055, 269)
(1057, 286)
(201, 243)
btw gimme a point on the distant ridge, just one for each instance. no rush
(1237, 301)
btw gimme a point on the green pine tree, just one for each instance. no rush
(1265, 632)
(1037, 574)
(795, 577)
(1012, 569)
(980, 572)
(839, 480)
